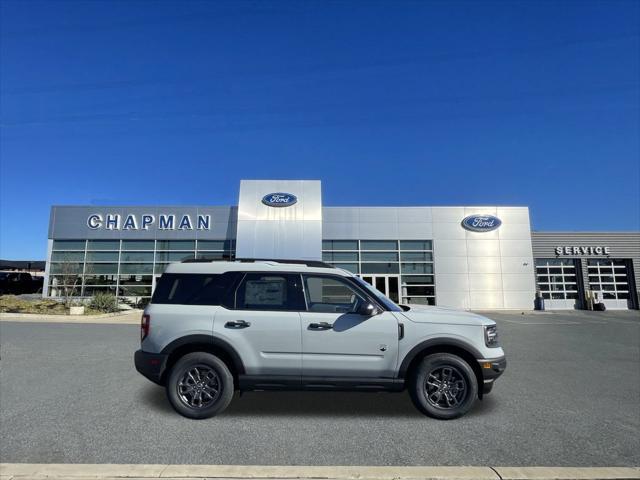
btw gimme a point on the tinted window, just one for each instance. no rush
(266, 291)
(194, 289)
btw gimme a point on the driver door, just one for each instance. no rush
(339, 342)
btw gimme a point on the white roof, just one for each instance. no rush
(253, 266)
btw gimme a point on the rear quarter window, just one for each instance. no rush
(195, 289)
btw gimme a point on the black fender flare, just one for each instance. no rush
(436, 342)
(213, 341)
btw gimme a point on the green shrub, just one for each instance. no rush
(104, 302)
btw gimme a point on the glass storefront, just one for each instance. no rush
(124, 268)
(401, 269)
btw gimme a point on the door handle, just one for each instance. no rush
(320, 326)
(237, 324)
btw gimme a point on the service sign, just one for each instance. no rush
(279, 199)
(481, 223)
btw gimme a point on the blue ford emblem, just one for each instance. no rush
(481, 223)
(279, 199)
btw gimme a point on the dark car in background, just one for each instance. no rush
(17, 283)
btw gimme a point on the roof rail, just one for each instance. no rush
(308, 263)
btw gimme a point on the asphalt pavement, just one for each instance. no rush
(570, 397)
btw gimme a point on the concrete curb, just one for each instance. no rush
(130, 317)
(24, 471)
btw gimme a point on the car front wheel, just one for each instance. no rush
(199, 385)
(444, 386)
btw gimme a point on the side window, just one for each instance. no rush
(194, 289)
(270, 291)
(331, 295)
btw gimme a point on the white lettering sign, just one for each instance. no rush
(145, 222)
(583, 250)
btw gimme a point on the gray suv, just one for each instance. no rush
(214, 327)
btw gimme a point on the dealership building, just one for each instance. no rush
(470, 257)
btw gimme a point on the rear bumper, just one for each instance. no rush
(491, 369)
(151, 365)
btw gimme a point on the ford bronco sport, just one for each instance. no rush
(214, 327)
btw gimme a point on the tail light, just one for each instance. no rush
(145, 326)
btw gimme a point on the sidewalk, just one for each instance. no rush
(129, 317)
(18, 471)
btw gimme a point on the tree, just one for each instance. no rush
(67, 275)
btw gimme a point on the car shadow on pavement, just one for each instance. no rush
(331, 404)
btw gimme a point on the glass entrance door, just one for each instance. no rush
(387, 284)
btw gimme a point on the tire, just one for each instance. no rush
(447, 399)
(199, 385)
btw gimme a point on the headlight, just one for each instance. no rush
(491, 335)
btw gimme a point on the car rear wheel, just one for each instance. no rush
(200, 385)
(444, 386)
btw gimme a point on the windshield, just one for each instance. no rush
(389, 304)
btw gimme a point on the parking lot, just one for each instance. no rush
(570, 396)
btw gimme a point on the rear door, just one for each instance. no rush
(336, 341)
(263, 325)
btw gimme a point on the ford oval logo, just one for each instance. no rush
(481, 223)
(279, 199)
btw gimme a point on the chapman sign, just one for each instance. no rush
(144, 222)
(589, 250)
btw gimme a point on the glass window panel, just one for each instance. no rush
(176, 245)
(609, 295)
(379, 257)
(340, 245)
(340, 256)
(555, 287)
(66, 268)
(544, 287)
(379, 268)
(136, 257)
(68, 244)
(417, 256)
(546, 295)
(215, 244)
(608, 271)
(138, 244)
(378, 245)
(621, 278)
(608, 287)
(419, 300)
(421, 291)
(556, 278)
(160, 268)
(619, 262)
(213, 255)
(417, 268)
(416, 245)
(572, 295)
(103, 245)
(102, 256)
(543, 279)
(100, 279)
(623, 295)
(555, 270)
(593, 278)
(352, 267)
(91, 291)
(67, 256)
(173, 256)
(594, 286)
(136, 268)
(136, 279)
(129, 291)
(98, 268)
(417, 279)
(263, 291)
(557, 296)
(56, 280)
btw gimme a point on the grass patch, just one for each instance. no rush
(13, 304)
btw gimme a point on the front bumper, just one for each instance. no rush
(491, 369)
(151, 365)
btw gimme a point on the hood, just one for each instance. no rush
(428, 314)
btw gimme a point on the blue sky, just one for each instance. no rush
(388, 103)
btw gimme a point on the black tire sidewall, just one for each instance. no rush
(226, 381)
(419, 394)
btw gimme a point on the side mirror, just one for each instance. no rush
(368, 309)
